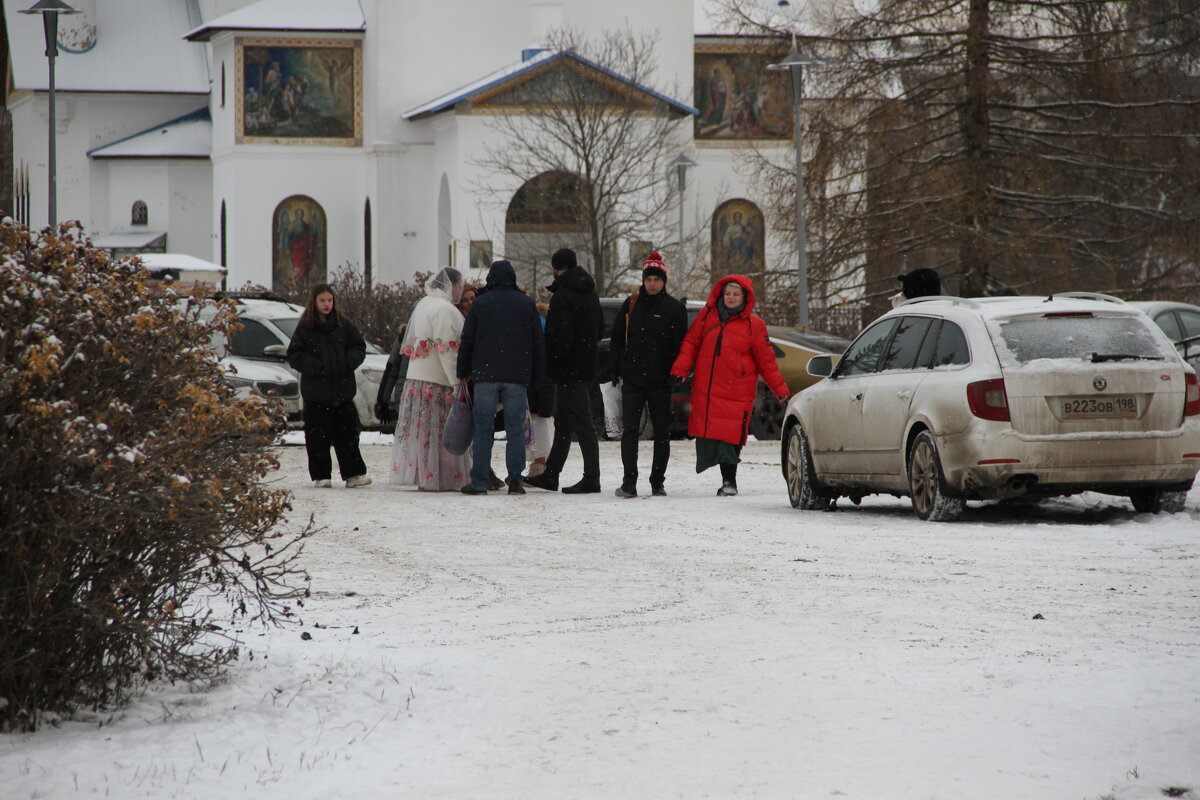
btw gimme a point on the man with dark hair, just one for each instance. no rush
(503, 353)
(573, 329)
(645, 342)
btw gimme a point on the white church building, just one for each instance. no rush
(289, 139)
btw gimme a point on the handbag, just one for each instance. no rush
(614, 423)
(460, 423)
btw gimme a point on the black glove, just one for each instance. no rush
(674, 381)
(384, 412)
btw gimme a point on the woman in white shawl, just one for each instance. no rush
(431, 344)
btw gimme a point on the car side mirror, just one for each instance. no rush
(275, 351)
(820, 366)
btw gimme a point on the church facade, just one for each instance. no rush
(289, 139)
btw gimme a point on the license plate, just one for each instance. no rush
(1121, 405)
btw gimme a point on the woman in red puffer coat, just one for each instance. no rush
(726, 349)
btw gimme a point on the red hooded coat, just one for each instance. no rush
(727, 358)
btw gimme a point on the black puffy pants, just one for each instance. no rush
(657, 400)
(335, 425)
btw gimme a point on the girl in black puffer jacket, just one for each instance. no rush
(326, 349)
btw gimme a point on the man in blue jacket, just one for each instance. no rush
(502, 352)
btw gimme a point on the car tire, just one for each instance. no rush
(803, 490)
(927, 485)
(1152, 501)
(766, 420)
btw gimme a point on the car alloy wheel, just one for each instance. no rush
(801, 478)
(927, 487)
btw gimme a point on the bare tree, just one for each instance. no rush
(587, 146)
(1038, 144)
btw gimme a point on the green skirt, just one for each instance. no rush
(710, 452)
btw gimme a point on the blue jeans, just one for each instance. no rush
(488, 397)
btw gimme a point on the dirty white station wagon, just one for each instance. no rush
(947, 400)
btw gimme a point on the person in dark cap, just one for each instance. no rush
(923, 282)
(503, 353)
(574, 326)
(645, 341)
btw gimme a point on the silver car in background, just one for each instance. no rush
(946, 399)
(1180, 322)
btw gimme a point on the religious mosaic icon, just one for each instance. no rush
(299, 91)
(299, 234)
(739, 99)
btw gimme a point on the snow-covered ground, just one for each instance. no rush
(691, 646)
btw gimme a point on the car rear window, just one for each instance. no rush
(1025, 339)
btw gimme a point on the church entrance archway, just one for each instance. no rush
(546, 213)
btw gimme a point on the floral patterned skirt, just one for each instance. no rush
(418, 457)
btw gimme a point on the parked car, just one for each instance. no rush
(947, 400)
(793, 349)
(1181, 323)
(267, 381)
(267, 326)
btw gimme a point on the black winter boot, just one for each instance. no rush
(547, 481)
(585, 486)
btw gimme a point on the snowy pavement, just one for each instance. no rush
(684, 647)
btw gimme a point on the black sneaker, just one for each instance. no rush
(494, 483)
(516, 488)
(626, 490)
(728, 489)
(544, 481)
(585, 486)
(658, 490)
(470, 489)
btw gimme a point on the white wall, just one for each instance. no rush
(252, 179)
(413, 52)
(84, 122)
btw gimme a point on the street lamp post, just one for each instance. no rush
(50, 9)
(681, 165)
(794, 63)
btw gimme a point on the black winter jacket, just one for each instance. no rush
(502, 338)
(574, 327)
(642, 352)
(326, 356)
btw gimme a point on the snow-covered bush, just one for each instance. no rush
(134, 527)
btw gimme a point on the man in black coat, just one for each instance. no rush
(503, 353)
(574, 326)
(646, 336)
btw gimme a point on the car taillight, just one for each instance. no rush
(988, 400)
(1191, 406)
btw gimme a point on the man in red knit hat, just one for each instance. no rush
(645, 341)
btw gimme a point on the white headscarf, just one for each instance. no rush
(448, 283)
(429, 319)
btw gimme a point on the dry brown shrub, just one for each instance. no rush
(134, 525)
